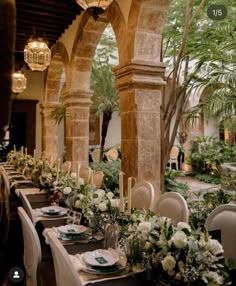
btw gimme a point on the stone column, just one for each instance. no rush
(140, 87)
(49, 130)
(77, 105)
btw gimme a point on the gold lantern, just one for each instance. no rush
(37, 54)
(18, 82)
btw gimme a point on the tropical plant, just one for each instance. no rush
(172, 185)
(111, 174)
(201, 206)
(105, 99)
(194, 46)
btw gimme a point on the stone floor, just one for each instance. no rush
(196, 186)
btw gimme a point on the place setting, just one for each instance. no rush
(100, 262)
(49, 212)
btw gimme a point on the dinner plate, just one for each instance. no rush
(72, 229)
(104, 270)
(101, 258)
(53, 211)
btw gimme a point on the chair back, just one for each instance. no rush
(112, 155)
(174, 206)
(98, 178)
(5, 212)
(32, 248)
(96, 155)
(66, 167)
(85, 173)
(142, 195)
(223, 218)
(64, 269)
(174, 153)
(26, 206)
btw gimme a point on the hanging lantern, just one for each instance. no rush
(18, 82)
(94, 7)
(37, 54)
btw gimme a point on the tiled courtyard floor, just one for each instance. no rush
(196, 186)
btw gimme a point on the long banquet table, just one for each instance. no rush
(38, 200)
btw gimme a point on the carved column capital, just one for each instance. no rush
(77, 98)
(139, 74)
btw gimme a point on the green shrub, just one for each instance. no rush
(208, 178)
(171, 185)
(201, 208)
(111, 174)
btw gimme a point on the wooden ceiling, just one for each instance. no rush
(46, 18)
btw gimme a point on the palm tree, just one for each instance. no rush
(105, 99)
(221, 102)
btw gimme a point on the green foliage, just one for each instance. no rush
(229, 181)
(105, 98)
(171, 185)
(208, 153)
(111, 174)
(58, 114)
(208, 178)
(203, 205)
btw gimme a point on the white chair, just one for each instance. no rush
(85, 173)
(223, 218)
(26, 206)
(97, 178)
(64, 269)
(66, 167)
(96, 155)
(112, 155)
(32, 248)
(174, 153)
(173, 206)
(142, 195)
(4, 205)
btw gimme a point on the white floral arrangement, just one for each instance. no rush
(176, 255)
(99, 207)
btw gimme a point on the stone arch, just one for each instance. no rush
(77, 97)
(139, 82)
(88, 35)
(53, 78)
(51, 98)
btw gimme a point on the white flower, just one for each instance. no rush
(144, 226)
(80, 196)
(215, 247)
(183, 225)
(168, 263)
(67, 190)
(110, 195)
(102, 207)
(78, 204)
(179, 239)
(115, 203)
(81, 181)
(212, 278)
(100, 192)
(73, 175)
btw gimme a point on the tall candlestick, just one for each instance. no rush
(129, 194)
(26, 151)
(69, 168)
(58, 168)
(121, 189)
(14, 148)
(34, 154)
(92, 174)
(78, 178)
(22, 150)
